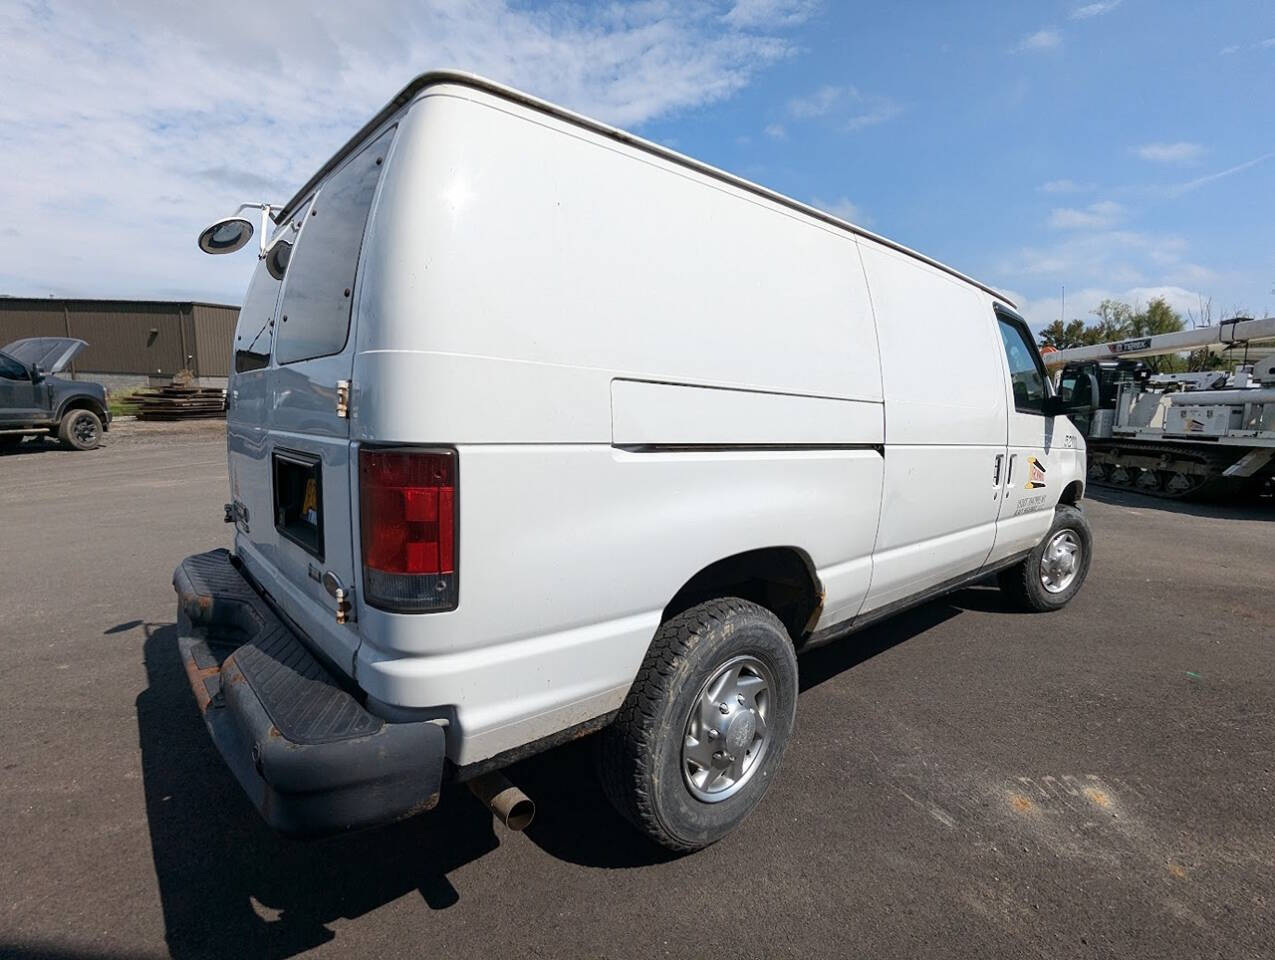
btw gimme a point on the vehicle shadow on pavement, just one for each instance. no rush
(575, 822)
(824, 663)
(231, 886)
(30, 446)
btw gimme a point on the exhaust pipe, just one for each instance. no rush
(511, 806)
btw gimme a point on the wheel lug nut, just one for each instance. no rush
(723, 707)
(740, 698)
(712, 733)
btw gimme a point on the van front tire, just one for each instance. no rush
(1056, 568)
(704, 727)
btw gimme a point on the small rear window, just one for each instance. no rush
(315, 315)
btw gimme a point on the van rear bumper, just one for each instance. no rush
(310, 757)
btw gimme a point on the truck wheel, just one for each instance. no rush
(1053, 572)
(704, 727)
(80, 430)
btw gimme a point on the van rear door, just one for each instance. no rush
(247, 399)
(306, 552)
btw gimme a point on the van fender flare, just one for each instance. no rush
(781, 578)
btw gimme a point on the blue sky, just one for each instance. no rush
(1121, 148)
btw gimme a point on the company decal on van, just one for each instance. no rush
(1035, 474)
(1031, 504)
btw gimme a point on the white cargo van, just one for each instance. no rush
(537, 428)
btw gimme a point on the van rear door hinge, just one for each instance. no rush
(343, 399)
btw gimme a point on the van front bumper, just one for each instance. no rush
(310, 757)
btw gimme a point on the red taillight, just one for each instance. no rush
(407, 515)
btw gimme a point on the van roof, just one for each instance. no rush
(435, 77)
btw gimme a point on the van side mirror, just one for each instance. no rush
(225, 235)
(37, 375)
(1053, 406)
(231, 233)
(1078, 391)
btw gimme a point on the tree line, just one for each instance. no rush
(1115, 321)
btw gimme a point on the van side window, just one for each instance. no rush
(254, 334)
(314, 320)
(1026, 375)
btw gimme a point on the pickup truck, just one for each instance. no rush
(34, 401)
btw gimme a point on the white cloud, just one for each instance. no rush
(1103, 214)
(844, 208)
(844, 107)
(1111, 258)
(1095, 265)
(1179, 151)
(877, 112)
(1045, 39)
(1179, 298)
(1267, 44)
(1090, 10)
(821, 102)
(1064, 186)
(1080, 303)
(130, 125)
(770, 13)
(1181, 188)
(775, 131)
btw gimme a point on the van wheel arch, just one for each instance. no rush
(1072, 493)
(781, 579)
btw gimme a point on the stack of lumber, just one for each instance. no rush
(180, 400)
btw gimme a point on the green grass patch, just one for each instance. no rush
(123, 404)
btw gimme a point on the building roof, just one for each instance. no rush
(10, 300)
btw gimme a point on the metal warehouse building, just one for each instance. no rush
(130, 342)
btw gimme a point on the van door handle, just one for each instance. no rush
(1009, 476)
(996, 473)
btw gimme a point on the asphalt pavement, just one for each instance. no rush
(965, 781)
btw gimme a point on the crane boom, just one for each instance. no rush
(1226, 333)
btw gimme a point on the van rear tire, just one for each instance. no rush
(1056, 568)
(704, 727)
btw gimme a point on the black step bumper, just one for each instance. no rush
(310, 757)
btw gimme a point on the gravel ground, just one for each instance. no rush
(965, 781)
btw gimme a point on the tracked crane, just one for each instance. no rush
(1209, 434)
